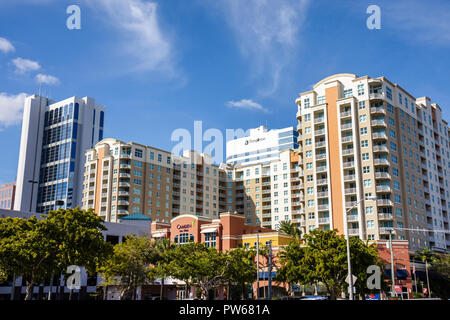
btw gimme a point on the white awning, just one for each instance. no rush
(158, 235)
(209, 230)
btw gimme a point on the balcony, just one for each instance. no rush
(378, 123)
(124, 166)
(124, 175)
(123, 203)
(384, 230)
(322, 207)
(383, 189)
(352, 218)
(350, 191)
(321, 169)
(375, 110)
(348, 164)
(321, 144)
(319, 132)
(322, 182)
(297, 187)
(296, 203)
(123, 193)
(347, 152)
(346, 114)
(385, 216)
(324, 220)
(350, 177)
(382, 175)
(383, 149)
(321, 156)
(124, 184)
(346, 126)
(323, 194)
(319, 120)
(376, 96)
(381, 162)
(384, 202)
(347, 139)
(350, 204)
(353, 232)
(379, 135)
(122, 212)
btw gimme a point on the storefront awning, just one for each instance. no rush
(209, 230)
(158, 235)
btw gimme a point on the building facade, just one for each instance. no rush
(260, 146)
(125, 178)
(372, 151)
(55, 136)
(7, 194)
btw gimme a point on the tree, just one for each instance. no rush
(129, 266)
(287, 227)
(198, 264)
(37, 249)
(161, 261)
(241, 267)
(362, 256)
(440, 275)
(291, 268)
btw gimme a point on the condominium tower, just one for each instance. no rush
(372, 151)
(55, 136)
(124, 178)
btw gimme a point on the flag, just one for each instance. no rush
(414, 269)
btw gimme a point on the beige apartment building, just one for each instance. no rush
(372, 151)
(270, 192)
(125, 178)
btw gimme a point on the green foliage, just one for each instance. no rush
(323, 259)
(241, 268)
(36, 249)
(287, 227)
(130, 265)
(195, 263)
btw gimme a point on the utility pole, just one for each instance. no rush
(257, 265)
(270, 270)
(428, 281)
(393, 293)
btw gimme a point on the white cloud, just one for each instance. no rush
(427, 22)
(47, 79)
(142, 36)
(267, 32)
(246, 104)
(6, 46)
(25, 65)
(11, 109)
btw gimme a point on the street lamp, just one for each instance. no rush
(349, 265)
(393, 293)
(257, 264)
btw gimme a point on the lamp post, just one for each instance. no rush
(347, 238)
(257, 265)
(393, 293)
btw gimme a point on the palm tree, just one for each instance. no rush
(287, 227)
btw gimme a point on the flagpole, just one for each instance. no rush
(415, 277)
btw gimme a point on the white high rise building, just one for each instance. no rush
(261, 146)
(55, 136)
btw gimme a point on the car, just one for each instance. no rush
(314, 298)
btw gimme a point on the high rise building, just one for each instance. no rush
(261, 146)
(267, 193)
(126, 178)
(55, 136)
(7, 193)
(371, 150)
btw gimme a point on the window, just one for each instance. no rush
(365, 156)
(362, 118)
(363, 130)
(306, 103)
(348, 93)
(361, 104)
(367, 183)
(370, 224)
(360, 89)
(369, 210)
(364, 143)
(366, 169)
(389, 93)
(184, 238)
(138, 153)
(210, 240)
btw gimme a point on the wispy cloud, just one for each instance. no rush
(6, 46)
(145, 44)
(47, 79)
(419, 21)
(11, 109)
(267, 33)
(25, 65)
(247, 104)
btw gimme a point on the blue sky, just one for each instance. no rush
(161, 65)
